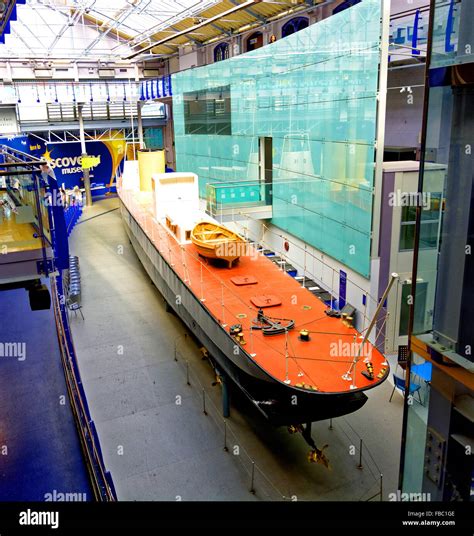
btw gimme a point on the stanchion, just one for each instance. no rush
(287, 380)
(252, 353)
(225, 397)
(252, 489)
(187, 373)
(222, 304)
(202, 293)
(380, 492)
(185, 335)
(204, 402)
(360, 456)
(226, 448)
(330, 424)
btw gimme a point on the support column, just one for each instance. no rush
(140, 125)
(381, 113)
(85, 172)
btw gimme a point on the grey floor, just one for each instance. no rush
(156, 440)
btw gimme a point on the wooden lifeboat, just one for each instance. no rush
(215, 241)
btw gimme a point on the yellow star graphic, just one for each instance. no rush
(47, 155)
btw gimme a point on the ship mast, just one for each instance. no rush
(348, 375)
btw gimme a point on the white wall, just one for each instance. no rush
(189, 60)
(402, 261)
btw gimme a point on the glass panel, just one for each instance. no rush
(208, 111)
(153, 138)
(19, 218)
(315, 94)
(420, 308)
(417, 424)
(453, 34)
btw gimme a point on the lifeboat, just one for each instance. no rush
(215, 241)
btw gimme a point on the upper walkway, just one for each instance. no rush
(40, 451)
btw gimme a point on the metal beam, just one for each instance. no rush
(87, 181)
(221, 29)
(18, 36)
(251, 12)
(193, 28)
(140, 125)
(118, 20)
(215, 26)
(381, 113)
(195, 41)
(70, 22)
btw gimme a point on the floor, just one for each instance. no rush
(15, 236)
(156, 440)
(40, 453)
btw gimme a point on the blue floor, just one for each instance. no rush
(40, 452)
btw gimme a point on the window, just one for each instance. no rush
(345, 5)
(294, 25)
(208, 111)
(221, 52)
(430, 216)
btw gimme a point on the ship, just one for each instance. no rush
(295, 358)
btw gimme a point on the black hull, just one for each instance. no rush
(281, 404)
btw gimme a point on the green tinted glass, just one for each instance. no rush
(315, 94)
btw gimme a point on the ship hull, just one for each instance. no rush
(281, 404)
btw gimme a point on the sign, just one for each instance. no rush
(20, 143)
(104, 159)
(8, 120)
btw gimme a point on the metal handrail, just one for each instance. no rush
(100, 478)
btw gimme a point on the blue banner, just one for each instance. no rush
(342, 288)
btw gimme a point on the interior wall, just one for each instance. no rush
(404, 106)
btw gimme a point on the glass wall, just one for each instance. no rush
(453, 33)
(417, 425)
(315, 94)
(448, 276)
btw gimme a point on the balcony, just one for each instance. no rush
(225, 201)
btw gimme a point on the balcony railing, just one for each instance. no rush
(225, 200)
(94, 111)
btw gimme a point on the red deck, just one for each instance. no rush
(319, 363)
